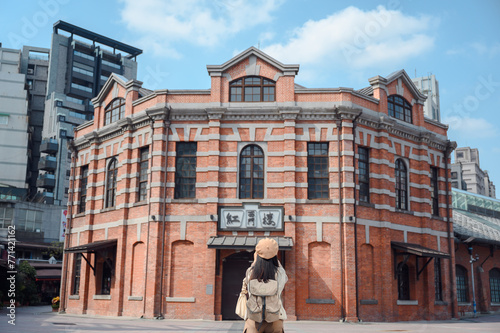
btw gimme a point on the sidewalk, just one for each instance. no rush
(41, 319)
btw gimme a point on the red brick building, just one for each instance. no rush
(171, 190)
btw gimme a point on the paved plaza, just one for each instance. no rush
(41, 319)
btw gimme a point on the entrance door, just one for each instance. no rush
(234, 268)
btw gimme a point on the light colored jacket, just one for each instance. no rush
(282, 279)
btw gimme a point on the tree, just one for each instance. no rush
(55, 250)
(26, 291)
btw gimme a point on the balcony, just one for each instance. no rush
(46, 181)
(49, 146)
(47, 163)
(48, 197)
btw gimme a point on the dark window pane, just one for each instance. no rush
(76, 274)
(434, 191)
(403, 275)
(364, 174)
(401, 185)
(106, 278)
(252, 89)
(185, 170)
(143, 173)
(252, 173)
(318, 173)
(114, 111)
(462, 284)
(111, 183)
(83, 188)
(399, 108)
(495, 285)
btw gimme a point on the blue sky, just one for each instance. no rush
(337, 43)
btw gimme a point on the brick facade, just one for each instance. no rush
(341, 265)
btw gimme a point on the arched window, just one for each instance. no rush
(403, 281)
(399, 108)
(111, 176)
(252, 173)
(252, 89)
(462, 284)
(401, 185)
(114, 111)
(495, 285)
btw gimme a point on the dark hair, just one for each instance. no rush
(265, 269)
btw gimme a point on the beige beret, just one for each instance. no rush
(267, 248)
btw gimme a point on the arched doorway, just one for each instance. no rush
(233, 272)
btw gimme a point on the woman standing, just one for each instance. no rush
(266, 269)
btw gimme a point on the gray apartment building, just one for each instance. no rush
(80, 63)
(467, 175)
(13, 125)
(35, 65)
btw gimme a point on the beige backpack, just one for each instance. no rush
(263, 302)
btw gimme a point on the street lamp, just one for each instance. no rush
(472, 260)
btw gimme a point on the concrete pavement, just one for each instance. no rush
(41, 319)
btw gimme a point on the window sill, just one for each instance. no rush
(440, 303)
(80, 215)
(368, 302)
(407, 302)
(109, 209)
(185, 200)
(319, 201)
(101, 297)
(135, 298)
(464, 304)
(319, 301)
(410, 212)
(366, 204)
(140, 203)
(436, 217)
(495, 304)
(77, 297)
(180, 299)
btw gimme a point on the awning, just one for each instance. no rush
(418, 250)
(92, 247)
(246, 242)
(48, 274)
(27, 245)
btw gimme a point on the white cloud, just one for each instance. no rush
(455, 51)
(490, 50)
(357, 39)
(471, 128)
(199, 22)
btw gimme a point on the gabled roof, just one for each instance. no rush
(217, 70)
(121, 80)
(401, 74)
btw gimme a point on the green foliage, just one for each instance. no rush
(55, 250)
(26, 291)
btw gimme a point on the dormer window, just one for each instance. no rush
(252, 89)
(399, 108)
(114, 111)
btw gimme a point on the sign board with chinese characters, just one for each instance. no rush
(251, 217)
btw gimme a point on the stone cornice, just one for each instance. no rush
(335, 91)
(436, 123)
(402, 130)
(162, 111)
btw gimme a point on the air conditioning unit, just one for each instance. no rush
(31, 71)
